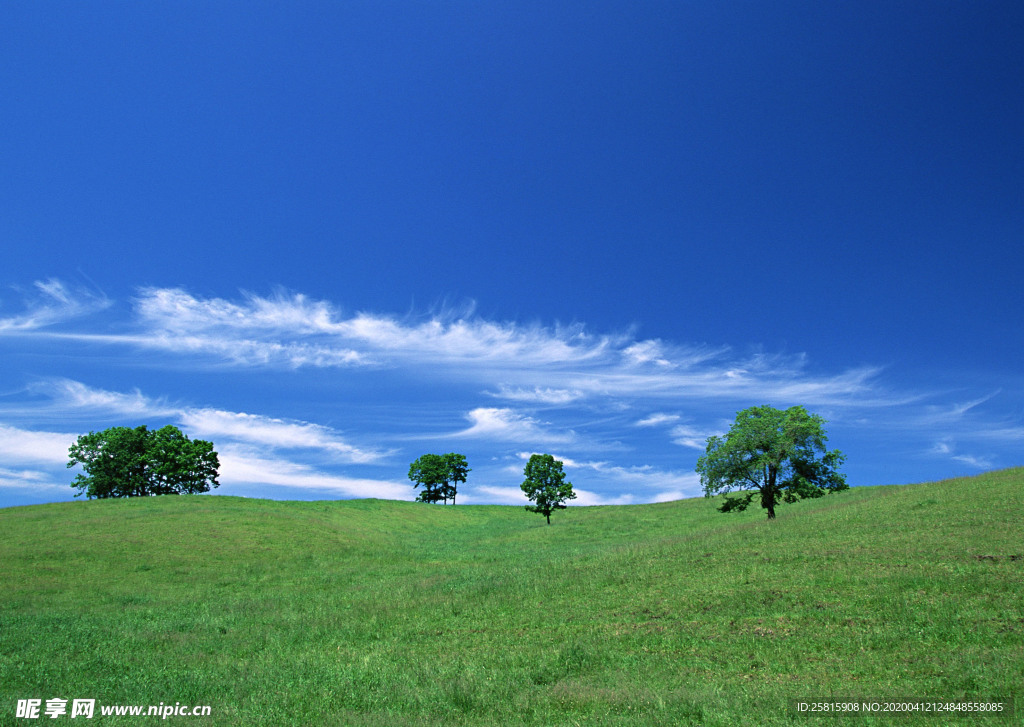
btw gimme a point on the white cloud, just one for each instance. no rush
(687, 436)
(657, 419)
(950, 413)
(509, 425)
(567, 461)
(33, 481)
(947, 447)
(25, 475)
(1002, 433)
(650, 477)
(587, 498)
(672, 495)
(537, 395)
(644, 476)
(484, 341)
(979, 462)
(27, 446)
(706, 380)
(553, 366)
(495, 495)
(54, 302)
(172, 309)
(275, 433)
(647, 477)
(208, 422)
(643, 352)
(69, 394)
(531, 363)
(263, 330)
(242, 465)
(254, 352)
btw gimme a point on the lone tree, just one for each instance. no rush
(775, 453)
(545, 485)
(439, 475)
(126, 462)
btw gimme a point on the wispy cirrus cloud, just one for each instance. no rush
(70, 395)
(648, 352)
(1003, 433)
(53, 302)
(241, 465)
(270, 432)
(949, 413)
(981, 463)
(637, 476)
(537, 395)
(527, 364)
(509, 425)
(657, 419)
(274, 433)
(947, 448)
(250, 351)
(692, 437)
(361, 338)
(31, 480)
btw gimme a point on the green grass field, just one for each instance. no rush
(369, 612)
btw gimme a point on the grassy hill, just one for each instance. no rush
(389, 613)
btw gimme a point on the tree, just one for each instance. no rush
(545, 485)
(126, 462)
(457, 469)
(439, 475)
(775, 453)
(428, 472)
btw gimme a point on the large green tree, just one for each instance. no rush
(777, 455)
(135, 462)
(439, 475)
(545, 485)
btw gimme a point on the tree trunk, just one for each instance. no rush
(548, 515)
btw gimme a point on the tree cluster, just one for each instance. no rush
(136, 462)
(439, 475)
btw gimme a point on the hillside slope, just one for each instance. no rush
(392, 613)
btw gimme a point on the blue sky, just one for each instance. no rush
(331, 237)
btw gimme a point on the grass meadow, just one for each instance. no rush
(370, 612)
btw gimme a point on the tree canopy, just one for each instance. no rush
(439, 475)
(135, 462)
(545, 485)
(773, 454)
